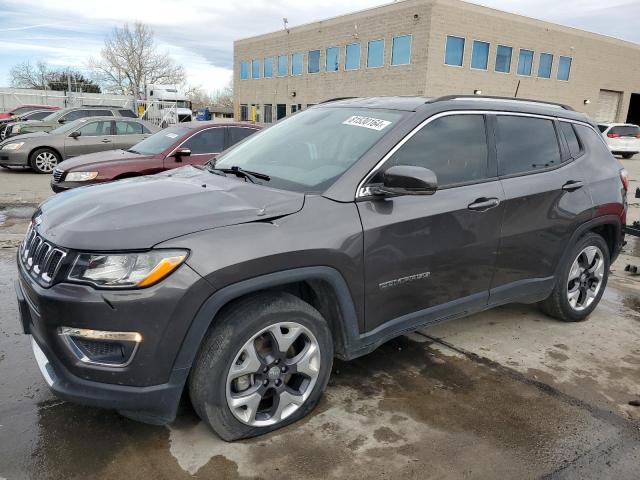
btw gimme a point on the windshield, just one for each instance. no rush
(310, 150)
(159, 142)
(68, 127)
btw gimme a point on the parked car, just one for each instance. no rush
(622, 138)
(327, 234)
(24, 109)
(192, 143)
(67, 115)
(8, 123)
(42, 151)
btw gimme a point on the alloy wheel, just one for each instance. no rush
(46, 162)
(273, 374)
(585, 278)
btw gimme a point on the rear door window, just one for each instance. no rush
(237, 134)
(128, 128)
(96, 129)
(526, 144)
(572, 139)
(206, 141)
(454, 147)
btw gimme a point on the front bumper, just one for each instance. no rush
(14, 157)
(147, 389)
(63, 186)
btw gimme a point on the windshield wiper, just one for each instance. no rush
(131, 150)
(239, 172)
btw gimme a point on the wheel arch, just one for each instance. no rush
(35, 149)
(324, 288)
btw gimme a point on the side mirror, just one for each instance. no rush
(181, 152)
(75, 134)
(407, 180)
(62, 120)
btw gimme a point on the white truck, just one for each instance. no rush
(166, 105)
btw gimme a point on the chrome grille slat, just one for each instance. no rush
(57, 175)
(40, 258)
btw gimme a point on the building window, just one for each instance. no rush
(480, 55)
(375, 54)
(244, 70)
(352, 56)
(564, 68)
(283, 65)
(314, 61)
(503, 59)
(525, 62)
(255, 69)
(244, 113)
(281, 111)
(268, 67)
(296, 63)
(268, 113)
(454, 51)
(296, 108)
(544, 67)
(333, 59)
(401, 50)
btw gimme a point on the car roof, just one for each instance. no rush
(199, 125)
(618, 124)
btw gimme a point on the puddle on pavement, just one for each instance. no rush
(405, 409)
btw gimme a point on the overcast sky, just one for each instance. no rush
(200, 33)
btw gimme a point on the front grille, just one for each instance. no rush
(40, 258)
(57, 174)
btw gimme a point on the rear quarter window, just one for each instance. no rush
(572, 139)
(526, 144)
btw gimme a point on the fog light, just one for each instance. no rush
(100, 347)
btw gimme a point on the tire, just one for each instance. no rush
(575, 297)
(44, 160)
(627, 156)
(225, 355)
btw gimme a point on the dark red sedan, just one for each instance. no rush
(193, 143)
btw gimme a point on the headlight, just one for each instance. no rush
(136, 270)
(16, 129)
(13, 146)
(81, 176)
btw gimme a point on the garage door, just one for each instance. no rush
(608, 105)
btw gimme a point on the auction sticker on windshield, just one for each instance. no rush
(367, 122)
(172, 135)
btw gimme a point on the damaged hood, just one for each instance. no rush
(140, 212)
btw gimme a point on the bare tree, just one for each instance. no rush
(130, 59)
(199, 97)
(224, 97)
(25, 75)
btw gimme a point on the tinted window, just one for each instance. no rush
(296, 63)
(332, 59)
(37, 115)
(525, 62)
(314, 61)
(75, 115)
(503, 59)
(283, 65)
(375, 54)
(525, 144)
(480, 55)
(207, 141)
(268, 67)
(352, 56)
(96, 129)
(454, 51)
(544, 68)
(564, 68)
(159, 142)
(127, 113)
(625, 131)
(128, 128)
(454, 147)
(255, 69)
(100, 113)
(238, 134)
(572, 139)
(401, 50)
(602, 128)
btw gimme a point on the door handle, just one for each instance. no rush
(106, 140)
(572, 185)
(484, 204)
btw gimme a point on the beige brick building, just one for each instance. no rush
(433, 48)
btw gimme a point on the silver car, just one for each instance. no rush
(42, 151)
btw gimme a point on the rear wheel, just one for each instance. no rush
(264, 365)
(581, 281)
(44, 160)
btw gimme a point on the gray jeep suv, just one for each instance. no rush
(325, 235)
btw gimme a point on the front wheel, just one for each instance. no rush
(263, 365)
(627, 156)
(581, 282)
(44, 160)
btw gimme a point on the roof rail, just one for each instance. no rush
(337, 99)
(504, 99)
